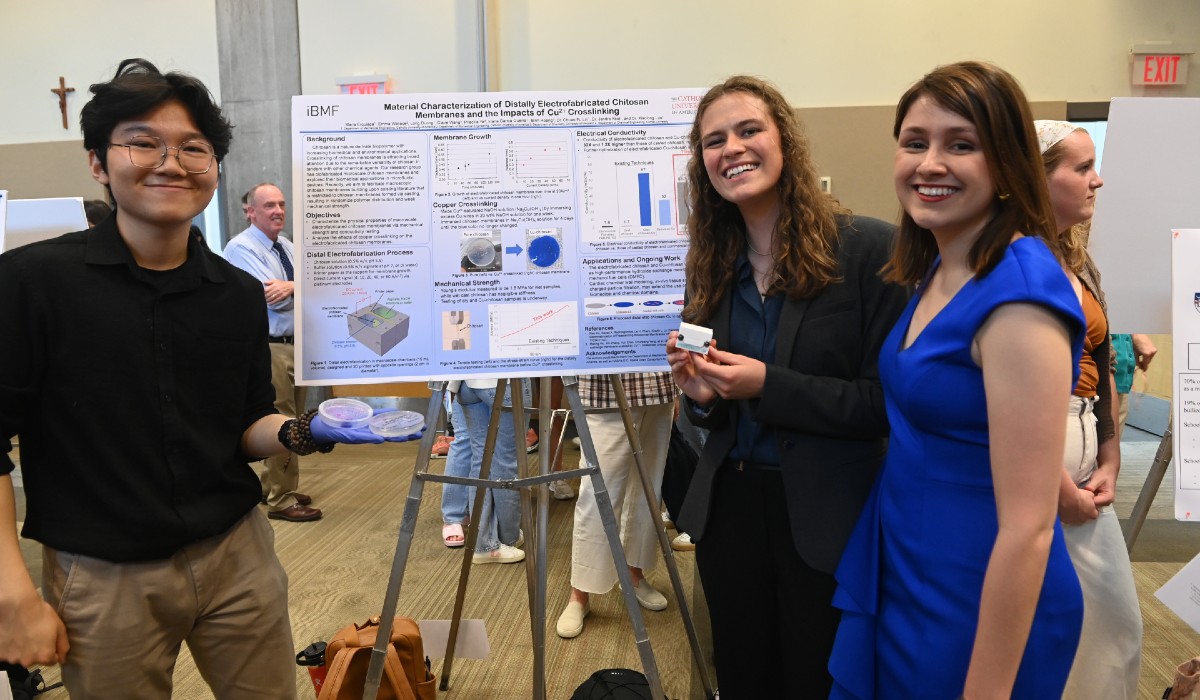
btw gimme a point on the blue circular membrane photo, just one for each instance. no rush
(544, 251)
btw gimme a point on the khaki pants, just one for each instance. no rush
(592, 567)
(226, 596)
(1109, 658)
(282, 475)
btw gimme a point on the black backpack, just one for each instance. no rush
(614, 684)
(25, 684)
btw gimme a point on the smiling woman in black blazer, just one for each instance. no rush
(788, 281)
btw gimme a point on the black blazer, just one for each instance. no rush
(823, 396)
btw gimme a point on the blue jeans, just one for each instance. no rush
(500, 520)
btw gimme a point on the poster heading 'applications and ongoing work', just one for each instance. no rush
(489, 234)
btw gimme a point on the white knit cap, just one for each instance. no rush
(1051, 131)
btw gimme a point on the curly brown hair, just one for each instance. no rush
(991, 99)
(807, 230)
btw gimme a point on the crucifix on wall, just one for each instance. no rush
(62, 91)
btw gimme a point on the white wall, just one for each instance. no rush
(84, 41)
(425, 45)
(844, 53)
(851, 52)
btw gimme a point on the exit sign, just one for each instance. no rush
(362, 89)
(1159, 64)
(365, 85)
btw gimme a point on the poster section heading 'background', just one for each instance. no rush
(519, 234)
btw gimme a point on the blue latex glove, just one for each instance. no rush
(326, 434)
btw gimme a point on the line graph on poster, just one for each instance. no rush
(474, 161)
(539, 159)
(535, 329)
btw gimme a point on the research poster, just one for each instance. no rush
(1185, 324)
(516, 234)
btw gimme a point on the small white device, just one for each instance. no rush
(694, 338)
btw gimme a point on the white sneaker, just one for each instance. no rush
(683, 543)
(570, 622)
(649, 598)
(562, 490)
(503, 554)
(667, 522)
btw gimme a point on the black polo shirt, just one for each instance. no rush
(130, 390)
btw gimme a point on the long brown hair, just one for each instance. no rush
(805, 234)
(1070, 243)
(993, 101)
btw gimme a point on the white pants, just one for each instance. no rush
(1110, 646)
(592, 569)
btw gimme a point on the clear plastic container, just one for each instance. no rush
(480, 251)
(397, 423)
(345, 413)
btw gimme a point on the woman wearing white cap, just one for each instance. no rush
(1109, 656)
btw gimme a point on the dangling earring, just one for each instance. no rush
(1003, 197)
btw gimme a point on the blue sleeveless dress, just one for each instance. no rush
(911, 577)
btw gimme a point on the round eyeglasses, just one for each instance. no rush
(150, 152)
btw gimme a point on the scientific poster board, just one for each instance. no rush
(1185, 320)
(513, 234)
(1151, 186)
(31, 220)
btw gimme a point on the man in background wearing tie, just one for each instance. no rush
(268, 257)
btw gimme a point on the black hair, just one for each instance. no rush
(138, 87)
(96, 210)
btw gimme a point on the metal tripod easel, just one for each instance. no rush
(1154, 477)
(535, 560)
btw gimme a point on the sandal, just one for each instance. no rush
(452, 535)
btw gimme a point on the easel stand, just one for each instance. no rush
(534, 493)
(1154, 477)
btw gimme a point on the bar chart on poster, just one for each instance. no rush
(634, 198)
(489, 234)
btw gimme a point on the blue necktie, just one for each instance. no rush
(283, 258)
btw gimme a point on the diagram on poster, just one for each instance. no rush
(489, 234)
(378, 327)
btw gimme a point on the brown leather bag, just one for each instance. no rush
(406, 673)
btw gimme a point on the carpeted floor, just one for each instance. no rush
(338, 571)
(339, 567)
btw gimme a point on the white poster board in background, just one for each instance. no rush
(488, 234)
(1185, 317)
(3, 220)
(1151, 185)
(30, 220)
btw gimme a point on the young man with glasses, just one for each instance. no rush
(261, 251)
(134, 366)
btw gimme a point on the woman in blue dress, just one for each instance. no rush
(956, 582)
